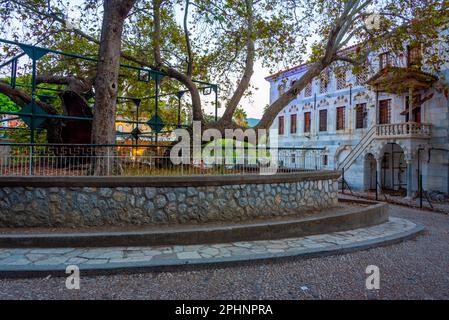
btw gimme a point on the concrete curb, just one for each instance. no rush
(182, 265)
(165, 181)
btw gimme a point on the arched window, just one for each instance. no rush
(281, 88)
(414, 56)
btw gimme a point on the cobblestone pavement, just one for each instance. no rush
(437, 206)
(12, 258)
(415, 269)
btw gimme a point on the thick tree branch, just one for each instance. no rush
(73, 83)
(187, 38)
(341, 25)
(185, 79)
(22, 98)
(248, 71)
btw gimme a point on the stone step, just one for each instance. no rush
(38, 262)
(360, 214)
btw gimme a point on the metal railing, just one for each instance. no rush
(142, 107)
(148, 160)
(358, 149)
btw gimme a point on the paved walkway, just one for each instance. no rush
(414, 269)
(106, 258)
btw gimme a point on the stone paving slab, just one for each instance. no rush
(16, 261)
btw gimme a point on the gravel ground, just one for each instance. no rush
(415, 269)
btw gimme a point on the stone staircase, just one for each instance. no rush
(358, 149)
(407, 130)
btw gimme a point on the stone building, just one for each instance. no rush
(390, 121)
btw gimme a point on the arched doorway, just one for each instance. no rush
(340, 154)
(369, 172)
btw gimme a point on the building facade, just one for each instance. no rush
(384, 127)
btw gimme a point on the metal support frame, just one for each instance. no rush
(36, 53)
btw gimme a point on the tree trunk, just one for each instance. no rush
(226, 119)
(106, 81)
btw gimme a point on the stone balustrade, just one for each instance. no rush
(404, 130)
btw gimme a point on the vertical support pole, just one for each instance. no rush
(33, 111)
(157, 103)
(13, 73)
(377, 193)
(410, 105)
(33, 100)
(420, 191)
(420, 178)
(179, 111)
(343, 180)
(378, 174)
(392, 166)
(377, 108)
(216, 103)
(409, 178)
(315, 117)
(137, 131)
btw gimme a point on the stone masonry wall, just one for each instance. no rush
(98, 206)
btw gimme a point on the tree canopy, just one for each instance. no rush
(217, 41)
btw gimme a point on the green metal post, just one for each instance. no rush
(13, 73)
(179, 112)
(157, 103)
(33, 111)
(216, 103)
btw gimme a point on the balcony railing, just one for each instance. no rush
(404, 130)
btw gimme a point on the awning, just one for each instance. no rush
(399, 80)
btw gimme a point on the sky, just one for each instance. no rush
(261, 98)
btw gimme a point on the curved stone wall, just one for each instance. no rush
(86, 202)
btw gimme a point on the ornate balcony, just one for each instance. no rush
(407, 130)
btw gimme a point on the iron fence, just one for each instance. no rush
(149, 160)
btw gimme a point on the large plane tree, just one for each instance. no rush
(218, 41)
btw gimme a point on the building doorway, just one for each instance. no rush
(369, 174)
(393, 177)
(385, 112)
(416, 112)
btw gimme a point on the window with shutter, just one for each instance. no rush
(293, 121)
(324, 81)
(360, 116)
(281, 125)
(340, 75)
(323, 120)
(308, 90)
(307, 122)
(340, 118)
(385, 112)
(384, 60)
(414, 57)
